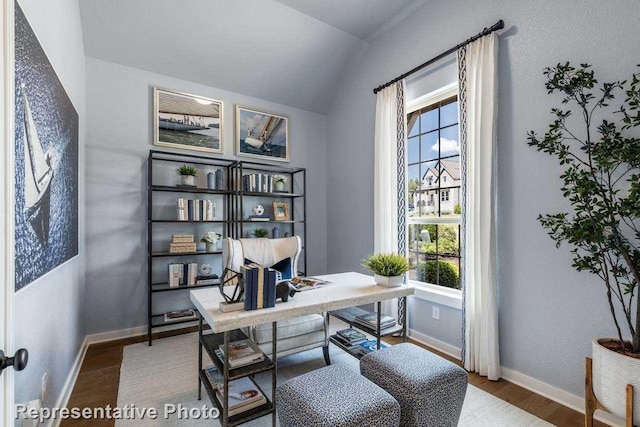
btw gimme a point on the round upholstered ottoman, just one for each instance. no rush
(430, 389)
(335, 396)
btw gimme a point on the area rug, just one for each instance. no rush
(152, 377)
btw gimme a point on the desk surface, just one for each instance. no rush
(345, 290)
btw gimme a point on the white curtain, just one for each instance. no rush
(389, 184)
(481, 350)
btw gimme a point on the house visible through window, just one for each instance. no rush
(433, 154)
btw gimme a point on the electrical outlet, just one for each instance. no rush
(31, 406)
(435, 313)
(43, 386)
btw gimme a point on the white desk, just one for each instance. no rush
(345, 290)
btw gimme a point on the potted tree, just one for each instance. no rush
(601, 178)
(388, 269)
(187, 175)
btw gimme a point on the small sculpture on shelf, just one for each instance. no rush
(187, 175)
(233, 302)
(284, 290)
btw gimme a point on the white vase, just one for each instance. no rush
(188, 180)
(212, 247)
(278, 186)
(612, 371)
(389, 281)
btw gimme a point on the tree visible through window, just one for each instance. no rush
(433, 153)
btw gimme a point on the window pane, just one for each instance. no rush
(413, 150)
(429, 121)
(449, 114)
(413, 124)
(449, 141)
(429, 146)
(414, 172)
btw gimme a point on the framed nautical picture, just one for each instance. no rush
(262, 135)
(281, 211)
(46, 162)
(190, 122)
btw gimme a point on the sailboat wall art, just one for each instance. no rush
(46, 162)
(262, 135)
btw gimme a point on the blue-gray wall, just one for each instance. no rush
(548, 312)
(119, 137)
(49, 313)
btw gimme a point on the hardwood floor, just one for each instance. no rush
(99, 377)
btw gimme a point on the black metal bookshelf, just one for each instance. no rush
(161, 174)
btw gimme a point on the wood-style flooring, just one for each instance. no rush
(99, 377)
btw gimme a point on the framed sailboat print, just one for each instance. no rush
(262, 135)
(46, 162)
(190, 122)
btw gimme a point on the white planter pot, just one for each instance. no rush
(188, 180)
(278, 186)
(612, 371)
(389, 281)
(212, 247)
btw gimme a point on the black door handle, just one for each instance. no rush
(18, 361)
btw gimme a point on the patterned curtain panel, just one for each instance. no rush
(390, 183)
(478, 83)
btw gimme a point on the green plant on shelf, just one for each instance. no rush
(279, 178)
(260, 232)
(185, 170)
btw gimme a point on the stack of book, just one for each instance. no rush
(257, 182)
(370, 320)
(241, 353)
(179, 315)
(244, 394)
(196, 210)
(183, 274)
(182, 243)
(259, 286)
(349, 338)
(210, 279)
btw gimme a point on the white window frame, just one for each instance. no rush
(429, 291)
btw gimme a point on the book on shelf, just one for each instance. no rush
(307, 283)
(195, 210)
(369, 346)
(243, 395)
(258, 218)
(351, 336)
(351, 348)
(214, 376)
(178, 315)
(183, 274)
(370, 320)
(243, 350)
(235, 364)
(257, 183)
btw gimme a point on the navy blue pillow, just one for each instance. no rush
(283, 266)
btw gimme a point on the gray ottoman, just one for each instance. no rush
(335, 396)
(430, 389)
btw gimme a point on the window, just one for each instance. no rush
(433, 176)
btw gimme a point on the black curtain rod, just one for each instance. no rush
(497, 26)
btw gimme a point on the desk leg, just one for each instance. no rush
(225, 386)
(274, 374)
(199, 355)
(378, 324)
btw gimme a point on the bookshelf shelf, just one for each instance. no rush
(276, 195)
(170, 254)
(157, 320)
(164, 287)
(171, 221)
(210, 342)
(177, 189)
(348, 315)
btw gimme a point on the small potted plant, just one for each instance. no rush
(260, 232)
(211, 239)
(389, 269)
(278, 183)
(188, 175)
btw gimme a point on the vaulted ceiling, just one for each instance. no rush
(291, 52)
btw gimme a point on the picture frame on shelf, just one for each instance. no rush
(262, 135)
(281, 211)
(187, 121)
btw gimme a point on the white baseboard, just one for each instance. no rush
(543, 389)
(116, 335)
(557, 395)
(70, 383)
(441, 346)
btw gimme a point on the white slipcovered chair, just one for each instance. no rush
(294, 335)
